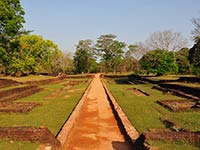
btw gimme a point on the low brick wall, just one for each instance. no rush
(132, 133)
(185, 89)
(32, 134)
(69, 125)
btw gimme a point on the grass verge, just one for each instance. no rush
(52, 113)
(143, 111)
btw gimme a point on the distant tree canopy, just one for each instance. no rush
(159, 62)
(33, 55)
(194, 57)
(110, 51)
(163, 52)
(65, 63)
(167, 40)
(83, 57)
(182, 61)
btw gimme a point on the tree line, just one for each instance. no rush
(163, 52)
(22, 53)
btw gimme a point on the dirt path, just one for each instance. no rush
(96, 127)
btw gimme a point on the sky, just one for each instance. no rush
(65, 22)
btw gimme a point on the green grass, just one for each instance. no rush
(168, 77)
(28, 78)
(166, 145)
(195, 85)
(145, 113)
(12, 87)
(52, 113)
(15, 145)
(164, 77)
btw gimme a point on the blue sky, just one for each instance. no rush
(67, 21)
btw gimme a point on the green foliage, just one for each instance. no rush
(129, 62)
(159, 62)
(110, 51)
(83, 58)
(194, 57)
(3, 55)
(33, 54)
(11, 24)
(11, 19)
(182, 61)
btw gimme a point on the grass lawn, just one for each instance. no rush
(53, 112)
(194, 85)
(145, 113)
(15, 145)
(166, 145)
(28, 78)
(168, 77)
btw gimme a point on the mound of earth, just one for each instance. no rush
(8, 82)
(166, 134)
(32, 134)
(17, 107)
(138, 92)
(16, 93)
(178, 105)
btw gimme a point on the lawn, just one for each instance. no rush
(168, 77)
(28, 78)
(145, 113)
(52, 113)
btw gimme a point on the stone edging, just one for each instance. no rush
(69, 125)
(129, 128)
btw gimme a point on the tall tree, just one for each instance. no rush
(168, 40)
(196, 30)
(34, 55)
(182, 61)
(11, 24)
(128, 64)
(137, 50)
(159, 62)
(83, 56)
(51, 55)
(194, 57)
(110, 51)
(66, 63)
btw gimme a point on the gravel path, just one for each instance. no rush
(96, 127)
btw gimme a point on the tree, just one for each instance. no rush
(11, 19)
(66, 63)
(194, 57)
(159, 62)
(137, 50)
(168, 40)
(11, 24)
(128, 64)
(110, 51)
(83, 56)
(51, 55)
(182, 61)
(196, 30)
(33, 55)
